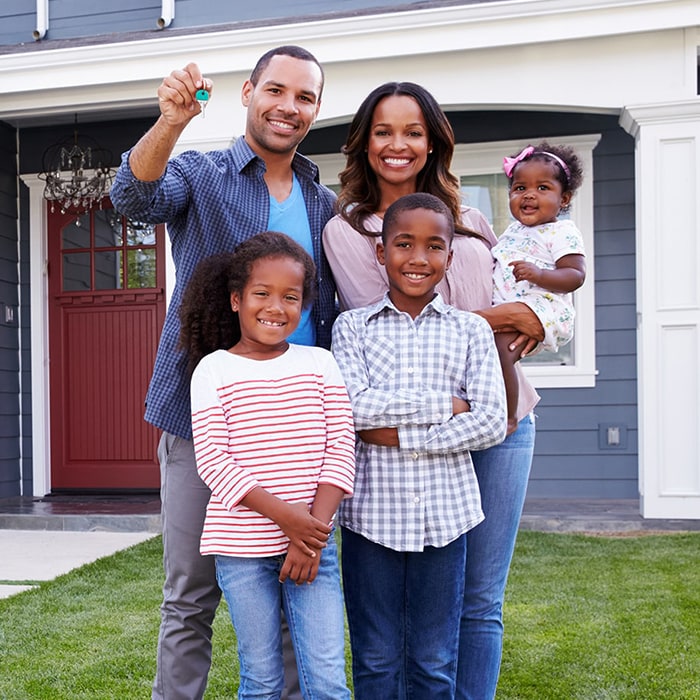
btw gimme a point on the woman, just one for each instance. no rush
(400, 142)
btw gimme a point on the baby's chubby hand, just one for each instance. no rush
(523, 270)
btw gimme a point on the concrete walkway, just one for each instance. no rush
(28, 557)
(44, 538)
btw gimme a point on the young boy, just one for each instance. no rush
(426, 387)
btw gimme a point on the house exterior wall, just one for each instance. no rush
(9, 327)
(573, 459)
(77, 19)
(486, 63)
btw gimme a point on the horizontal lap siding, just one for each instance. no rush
(76, 19)
(17, 21)
(70, 19)
(570, 459)
(190, 13)
(9, 334)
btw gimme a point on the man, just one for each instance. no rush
(211, 203)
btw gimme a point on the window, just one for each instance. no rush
(480, 170)
(102, 250)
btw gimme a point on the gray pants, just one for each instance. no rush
(190, 592)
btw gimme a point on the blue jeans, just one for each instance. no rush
(315, 616)
(190, 592)
(403, 613)
(503, 472)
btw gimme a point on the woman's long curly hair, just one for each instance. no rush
(360, 195)
(207, 322)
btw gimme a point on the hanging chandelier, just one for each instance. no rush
(77, 176)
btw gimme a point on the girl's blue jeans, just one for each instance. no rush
(403, 613)
(315, 617)
(503, 473)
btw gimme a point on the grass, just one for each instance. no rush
(586, 618)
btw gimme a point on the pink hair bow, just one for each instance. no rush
(510, 163)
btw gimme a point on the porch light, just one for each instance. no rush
(77, 176)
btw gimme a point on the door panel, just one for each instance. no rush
(106, 309)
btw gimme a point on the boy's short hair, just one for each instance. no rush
(417, 200)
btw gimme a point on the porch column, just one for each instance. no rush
(667, 164)
(38, 285)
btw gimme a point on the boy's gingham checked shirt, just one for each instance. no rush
(403, 373)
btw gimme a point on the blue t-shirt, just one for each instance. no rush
(290, 217)
(212, 202)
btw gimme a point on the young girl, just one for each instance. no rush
(539, 259)
(274, 441)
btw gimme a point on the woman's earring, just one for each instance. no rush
(430, 151)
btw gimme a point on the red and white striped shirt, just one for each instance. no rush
(283, 424)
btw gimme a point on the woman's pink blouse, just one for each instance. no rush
(468, 284)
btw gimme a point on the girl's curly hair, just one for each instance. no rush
(574, 179)
(207, 322)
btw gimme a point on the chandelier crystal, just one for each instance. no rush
(77, 176)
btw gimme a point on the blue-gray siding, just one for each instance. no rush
(78, 19)
(17, 21)
(571, 458)
(9, 332)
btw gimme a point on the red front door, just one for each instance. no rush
(106, 309)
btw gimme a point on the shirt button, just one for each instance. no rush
(415, 455)
(410, 370)
(416, 500)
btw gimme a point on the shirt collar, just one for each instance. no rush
(243, 155)
(435, 305)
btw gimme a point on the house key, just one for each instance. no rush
(202, 97)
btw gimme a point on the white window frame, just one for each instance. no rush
(487, 158)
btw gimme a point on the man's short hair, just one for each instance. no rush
(289, 50)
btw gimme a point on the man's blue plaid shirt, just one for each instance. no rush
(211, 202)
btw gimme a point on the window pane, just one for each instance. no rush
(77, 233)
(76, 272)
(565, 356)
(139, 233)
(108, 270)
(141, 268)
(108, 229)
(489, 194)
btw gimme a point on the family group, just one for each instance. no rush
(338, 388)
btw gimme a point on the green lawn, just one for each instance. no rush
(586, 618)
